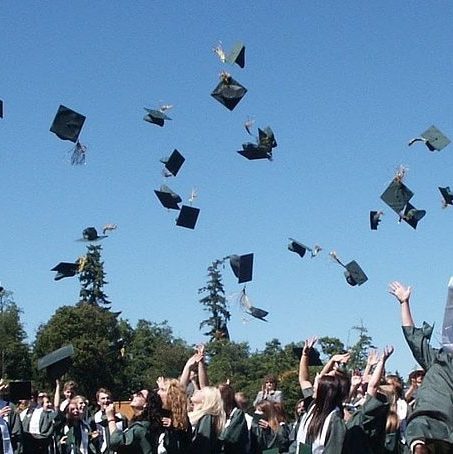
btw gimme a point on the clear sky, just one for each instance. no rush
(344, 86)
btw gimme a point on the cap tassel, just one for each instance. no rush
(78, 154)
(400, 174)
(334, 256)
(109, 228)
(218, 50)
(248, 125)
(164, 107)
(193, 196)
(315, 251)
(225, 77)
(82, 262)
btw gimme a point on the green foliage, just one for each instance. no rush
(92, 278)
(215, 303)
(15, 358)
(330, 346)
(359, 351)
(93, 331)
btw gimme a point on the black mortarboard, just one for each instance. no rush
(354, 274)
(156, 117)
(397, 195)
(266, 137)
(242, 267)
(174, 162)
(447, 195)
(91, 234)
(1, 108)
(229, 92)
(65, 269)
(67, 124)
(57, 362)
(411, 215)
(188, 217)
(375, 219)
(19, 390)
(313, 356)
(300, 249)
(237, 55)
(252, 151)
(433, 138)
(257, 313)
(168, 198)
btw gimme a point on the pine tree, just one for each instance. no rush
(92, 278)
(216, 304)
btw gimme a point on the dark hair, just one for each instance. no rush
(271, 379)
(153, 411)
(416, 373)
(268, 409)
(227, 394)
(329, 395)
(280, 412)
(396, 382)
(104, 391)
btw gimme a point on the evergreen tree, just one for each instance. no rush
(215, 303)
(359, 351)
(15, 360)
(92, 278)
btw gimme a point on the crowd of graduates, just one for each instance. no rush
(339, 412)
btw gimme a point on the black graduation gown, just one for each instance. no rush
(136, 439)
(235, 436)
(204, 437)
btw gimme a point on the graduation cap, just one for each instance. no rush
(91, 234)
(263, 148)
(301, 249)
(447, 196)
(65, 269)
(375, 219)
(188, 217)
(57, 362)
(397, 195)
(228, 91)
(246, 304)
(156, 117)
(242, 267)
(353, 273)
(19, 390)
(411, 215)
(173, 163)
(237, 55)
(168, 198)
(433, 138)
(313, 355)
(67, 125)
(1, 108)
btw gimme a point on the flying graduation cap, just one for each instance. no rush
(91, 234)
(242, 267)
(57, 362)
(313, 356)
(411, 215)
(375, 219)
(301, 249)
(263, 148)
(173, 163)
(157, 116)
(447, 196)
(67, 125)
(1, 108)
(66, 269)
(353, 273)
(237, 55)
(228, 91)
(433, 138)
(397, 194)
(248, 307)
(168, 198)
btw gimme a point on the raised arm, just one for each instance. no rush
(334, 361)
(304, 375)
(56, 397)
(376, 376)
(202, 370)
(184, 379)
(402, 294)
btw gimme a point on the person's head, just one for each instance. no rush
(69, 389)
(270, 382)
(208, 401)
(299, 409)
(266, 409)
(103, 398)
(139, 401)
(280, 413)
(396, 383)
(227, 393)
(174, 399)
(416, 377)
(46, 403)
(81, 403)
(152, 409)
(40, 398)
(241, 400)
(72, 411)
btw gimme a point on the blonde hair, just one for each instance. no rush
(177, 403)
(212, 405)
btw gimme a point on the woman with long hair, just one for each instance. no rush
(207, 419)
(142, 435)
(177, 434)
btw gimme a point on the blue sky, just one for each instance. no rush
(344, 86)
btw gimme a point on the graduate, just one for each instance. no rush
(430, 425)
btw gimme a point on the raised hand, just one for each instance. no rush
(401, 292)
(309, 343)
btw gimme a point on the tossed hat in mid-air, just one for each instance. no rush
(91, 234)
(237, 55)
(242, 267)
(228, 91)
(375, 219)
(313, 355)
(411, 215)
(157, 116)
(397, 193)
(433, 138)
(447, 196)
(66, 269)
(57, 362)
(353, 273)
(263, 148)
(250, 309)
(168, 198)
(1, 108)
(173, 163)
(188, 217)
(301, 249)
(67, 125)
